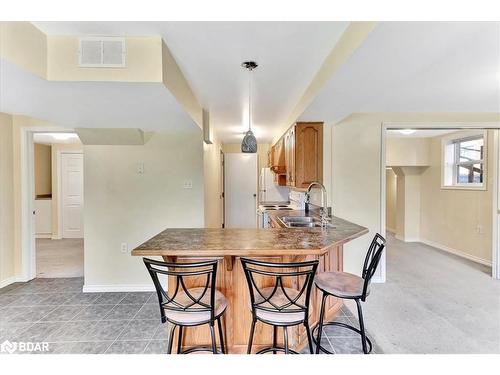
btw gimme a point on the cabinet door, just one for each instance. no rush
(308, 154)
(290, 157)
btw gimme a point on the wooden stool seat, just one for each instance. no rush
(341, 284)
(279, 299)
(191, 316)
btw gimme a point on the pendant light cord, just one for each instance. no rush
(249, 99)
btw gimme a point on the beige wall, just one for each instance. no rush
(122, 206)
(7, 256)
(143, 61)
(407, 151)
(391, 181)
(212, 175)
(450, 217)
(25, 45)
(57, 148)
(43, 169)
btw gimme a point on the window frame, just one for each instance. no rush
(450, 170)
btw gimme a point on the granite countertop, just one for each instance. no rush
(245, 242)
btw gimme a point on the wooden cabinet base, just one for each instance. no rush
(237, 318)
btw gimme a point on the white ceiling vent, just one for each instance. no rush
(102, 52)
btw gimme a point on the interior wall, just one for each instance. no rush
(143, 61)
(391, 181)
(57, 148)
(212, 175)
(7, 261)
(356, 169)
(122, 206)
(407, 151)
(457, 219)
(43, 169)
(25, 45)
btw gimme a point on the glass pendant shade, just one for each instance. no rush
(249, 143)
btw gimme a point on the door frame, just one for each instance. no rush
(59, 185)
(27, 199)
(495, 175)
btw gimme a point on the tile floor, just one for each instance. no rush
(57, 312)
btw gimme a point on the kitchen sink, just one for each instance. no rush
(303, 222)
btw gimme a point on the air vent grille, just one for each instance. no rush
(102, 52)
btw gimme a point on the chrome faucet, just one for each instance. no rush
(323, 212)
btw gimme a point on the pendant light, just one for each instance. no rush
(249, 143)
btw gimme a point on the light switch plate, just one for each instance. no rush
(188, 184)
(140, 167)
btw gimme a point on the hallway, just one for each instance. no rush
(59, 258)
(433, 302)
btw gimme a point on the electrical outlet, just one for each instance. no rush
(124, 248)
(188, 184)
(479, 229)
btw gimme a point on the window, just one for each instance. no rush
(464, 161)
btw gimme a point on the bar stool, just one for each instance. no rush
(189, 307)
(278, 305)
(348, 286)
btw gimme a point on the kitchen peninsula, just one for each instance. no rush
(274, 245)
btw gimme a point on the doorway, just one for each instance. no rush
(439, 189)
(57, 178)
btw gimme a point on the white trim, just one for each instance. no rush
(452, 138)
(409, 239)
(381, 277)
(12, 280)
(456, 252)
(43, 235)
(495, 256)
(119, 288)
(26, 149)
(495, 248)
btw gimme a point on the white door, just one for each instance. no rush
(72, 195)
(240, 190)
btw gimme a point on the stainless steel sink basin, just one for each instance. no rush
(297, 219)
(303, 222)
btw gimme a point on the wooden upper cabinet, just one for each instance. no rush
(278, 160)
(308, 149)
(298, 155)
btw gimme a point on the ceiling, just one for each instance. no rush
(400, 67)
(416, 67)
(210, 55)
(56, 138)
(148, 106)
(426, 133)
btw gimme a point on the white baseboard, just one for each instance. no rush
(407, 239)
(43, 235)
(456, 252)
(119, 288)
(12, 280)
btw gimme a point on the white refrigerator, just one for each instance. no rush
(268, 190)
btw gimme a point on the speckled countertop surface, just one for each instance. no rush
(256, 242)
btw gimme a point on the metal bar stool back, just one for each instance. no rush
(349, 286)
(185, 307)
(276, 304)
